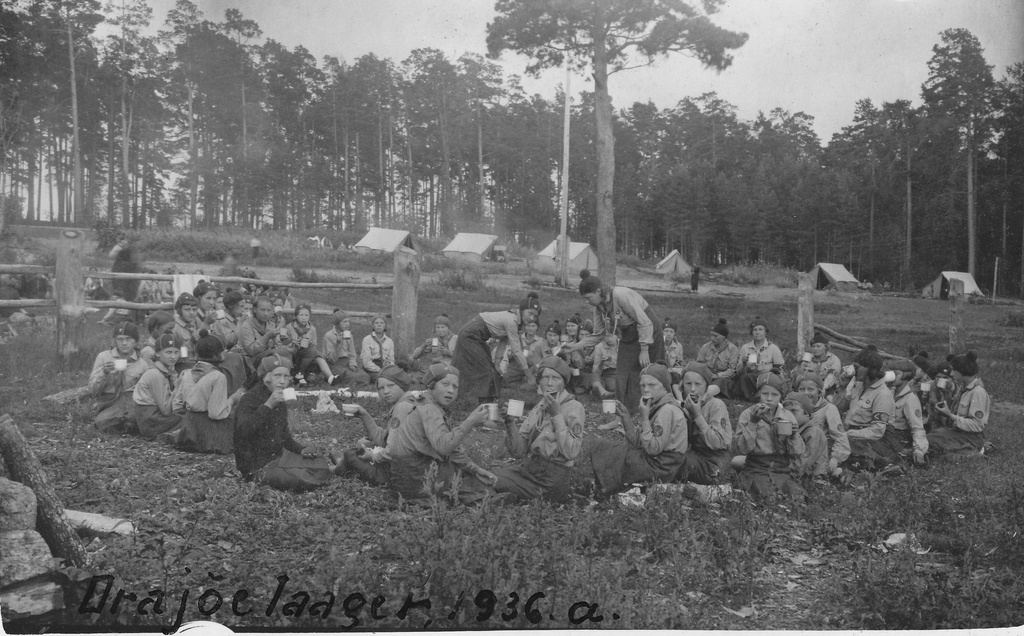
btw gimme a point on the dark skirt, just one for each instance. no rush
(704, 466)
(536, 477)
(893, 444)
(200, 434)
(294, 472)
(378, 474)
(348, 377)
(478, 377)
(115, 411)
(408, 478)
(303, 359)
(151, 422)
(617, 465)
(627, 370)
(768, 475)
(236, 369)
(954, 440)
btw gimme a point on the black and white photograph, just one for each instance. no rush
(460, 315)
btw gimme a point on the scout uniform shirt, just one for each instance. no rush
(338, 348)
(251, 331)
(711, 433)
(605, 357)
(665, 430)
(909, 418)
(826, 416)
(557, 438)
(155, 388)
(226, 330)
(378, 435)
(377, 354)
(721, 362)
(871, 412)
(828, 369)
(113, 383)
(427, 432)
(973, 408)
(626, 309)
(504, 327)
(762, 438)
(768, 357)
(673, 353)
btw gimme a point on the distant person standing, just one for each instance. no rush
(695, 279)
(255, 244)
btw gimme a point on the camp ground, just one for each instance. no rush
(674, 263)
(834, 274)
(581, 256)
(380, 239)
(939, 288)
(473, 248)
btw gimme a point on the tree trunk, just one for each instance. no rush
(971, 230)
(31, 179)
(193, 186)
(381, 190)
(910, 215)
(126, 196)
(111, 216)
(51, 522)
(76, 201)
(605, 160)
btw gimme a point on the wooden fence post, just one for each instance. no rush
(404, 300)
(957, 336)
(805, 314)
(70, 295)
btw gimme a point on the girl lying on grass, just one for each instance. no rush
(114, 375)
(964, 429)
(393, 386)
(548, 441)
(428, 443)
(766, 440)
(265, 451)
(655, 450)
(154, 393)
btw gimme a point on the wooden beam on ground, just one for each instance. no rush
(957, 335)
(51, 522)
(842, 346)
(69, 295)
(26, 303)
(70, 395)
(404, 300)
(805, 314)
(850, 340)
(97, 524)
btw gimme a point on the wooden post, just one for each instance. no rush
(957, 336)
(51, 521)
(404, 301)
(70, 295)
(995, 280)
(805, 314)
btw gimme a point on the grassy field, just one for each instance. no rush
(675, 563)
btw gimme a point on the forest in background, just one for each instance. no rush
(209, 124)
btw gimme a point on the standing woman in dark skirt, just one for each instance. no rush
(640, 341)
(480, 378)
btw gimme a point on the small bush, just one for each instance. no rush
(1015, 318)
(462, 279)
(534, 282)
(300, 275)
(756, 274)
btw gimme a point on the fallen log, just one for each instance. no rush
(31, 598)
(97, 524)
(51, 522)
(850, 349)
(66, 397)
(841, 337)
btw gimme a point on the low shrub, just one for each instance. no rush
(534, 282)
(462, 279)
(756, 274)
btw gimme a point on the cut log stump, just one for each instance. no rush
(90, 523)
(31, 598)
(17, 507)
(24, 555)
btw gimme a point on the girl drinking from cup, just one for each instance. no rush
(768, 436)
(340, 352)
(825, 416)
(115, 373)
(302, 335)
(710, 430)
(186, 329)
(260, 336)
(966, 429)
(441, 346)
(153, 395)
(548, 440)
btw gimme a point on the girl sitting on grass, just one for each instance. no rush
(378, 350)
(825, 416)
(265, 451)
(340, 352)
(872, 412)
(655, 450)
(673, 348)
(302, 336)
(153, 395)
(427, 443)
(115, 373)
(548, 441)
(710, 430)
(158, 323)
(207, 425)
(186, 329)
(226, 328)
(393, 386)
(905, 434)
(260, 336)
(965, 430)
(445, 341)
(765, 441)
(757, 357)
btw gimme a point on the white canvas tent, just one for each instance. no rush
(379, 239)
(834, 274)
(581, 256)
(674, 263)
(471, 247)
(939, 288)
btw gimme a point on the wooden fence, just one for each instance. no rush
(69, 294)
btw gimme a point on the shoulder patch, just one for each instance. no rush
(577, 429)
(917, 412)
(882, 417)
(979, 414)
(657, 430)
(394, 423)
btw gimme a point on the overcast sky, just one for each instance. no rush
(815, 56)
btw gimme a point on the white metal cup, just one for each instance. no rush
(515, 408)
(752, 358)
(575, 372)
(807, 357)
(436, 343)
(889, 377)
(785, 427)
(346, 334)
(926, 386)
(220, 313)
(942, 383)
(184, 352)
(492, 411)
(848, 370)
(289, 395)
(608, 407)
(350, 409)
(120, 364)
(713, 390)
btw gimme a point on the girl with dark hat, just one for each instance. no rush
(481, 377)
(766, 440)
(154, 393)
(655, 450)
(826, 364)
(208, 423)
(158, 323)
(260, 336)
(905, 435)
(710, 430)
(965, 431)
(721, 357)
(393, 387)
(115, 373)
(265, 451)
(340, 352)
(303, 341)
(226, 327)
(872, 411)
(758, 356)
(186, 329)
(429, 441)
(621, 309)
(548, 440)
(673, 347)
